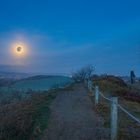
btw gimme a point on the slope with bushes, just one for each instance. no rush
(27, 118)
(41, 82)
(129, 98)
(117, 87)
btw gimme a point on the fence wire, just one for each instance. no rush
(123, 109)
(105, 97)
(129, 114)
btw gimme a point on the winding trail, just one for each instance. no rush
(73, 118)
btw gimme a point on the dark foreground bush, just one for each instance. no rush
(25, 119)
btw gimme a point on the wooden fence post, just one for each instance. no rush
(93, 90)
(96, 95)
(114, 118)
(89, 85)
(86, 82)
(90, 88)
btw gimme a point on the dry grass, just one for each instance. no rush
(25, 119)
(128, 129)
(114, 86)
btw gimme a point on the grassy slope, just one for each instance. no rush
(128, 129)
(37, 83)
(41, 82)
(28, 118)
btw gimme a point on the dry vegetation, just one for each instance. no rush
(129, 98)
(116, 87)
(6, 82)
(26, 118)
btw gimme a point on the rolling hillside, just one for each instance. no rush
(41, 82)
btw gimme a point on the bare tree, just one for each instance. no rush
(84, 73)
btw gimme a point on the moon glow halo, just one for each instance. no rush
(19, 50)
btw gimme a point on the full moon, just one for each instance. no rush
(19, 50)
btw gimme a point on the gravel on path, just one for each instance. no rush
(73, 118)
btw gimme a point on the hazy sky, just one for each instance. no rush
(64, 35)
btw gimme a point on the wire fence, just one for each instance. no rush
(114, 109)
(105, 97)
(129, 114)
(123, 109)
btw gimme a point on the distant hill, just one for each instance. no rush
(41, 82)
(37, 77)
(126, 79)
(13, 75)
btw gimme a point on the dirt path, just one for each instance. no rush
(73, 118)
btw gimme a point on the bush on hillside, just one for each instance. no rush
(83, 74)
(112, 79)
(19, 119)
(117, 87)
(5, 82)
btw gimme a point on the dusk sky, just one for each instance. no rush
(63, 35)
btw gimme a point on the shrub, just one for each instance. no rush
(117, 87)
(83, 73)
(19, 120)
